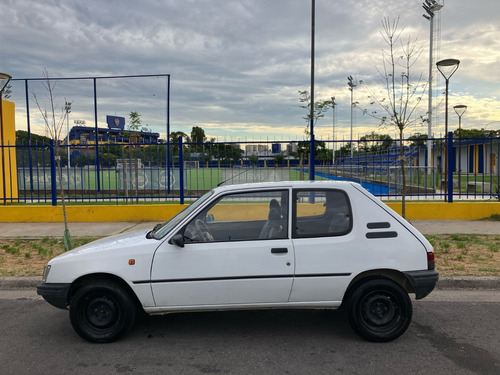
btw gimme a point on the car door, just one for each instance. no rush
(237, 251)
(324, 244)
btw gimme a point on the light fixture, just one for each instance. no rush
(460, 110)
(447, 68)
(4, 81)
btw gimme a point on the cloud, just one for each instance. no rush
(235, 62)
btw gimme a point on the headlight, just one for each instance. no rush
(46, 273)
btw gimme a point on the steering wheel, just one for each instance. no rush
(203, 231)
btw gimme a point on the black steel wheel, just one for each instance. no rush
(379, 310)
(102, 311)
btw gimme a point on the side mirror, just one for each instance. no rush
(177, 240)
(210, 218)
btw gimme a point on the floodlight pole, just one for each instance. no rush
(351, 85)
(430, 7)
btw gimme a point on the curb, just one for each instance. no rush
(25, 282)
(444, 283)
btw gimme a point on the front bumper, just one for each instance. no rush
(56, 294)
(423, 282)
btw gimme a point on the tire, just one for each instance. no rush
(102, 311)
(379, 310)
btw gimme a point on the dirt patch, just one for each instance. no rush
(28, 257)
(456, 254)
(467, 254)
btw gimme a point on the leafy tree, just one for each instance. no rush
(476, 133)
(418, 140)
(320, 107)
(375, 142)
(174, 142)
(253, 159)
(22, 138)
(135, 121)
(198, 135)
(279, 159)
(319, 149)
(227, 152)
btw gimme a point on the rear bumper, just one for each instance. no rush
(423, 282)
(55, 294)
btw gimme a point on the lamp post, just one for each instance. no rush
(430, 7)
(67, 108)
(311, 115)
(460, 110)
(4, 80)
(333, 129)
(447, 68)
(351, 85)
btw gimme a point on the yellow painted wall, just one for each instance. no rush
(33, 214)
(9, 153)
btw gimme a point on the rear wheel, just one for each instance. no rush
(102, 311)
(379, 310)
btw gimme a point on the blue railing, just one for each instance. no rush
(133, 173)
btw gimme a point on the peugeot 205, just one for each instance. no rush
(320, 245)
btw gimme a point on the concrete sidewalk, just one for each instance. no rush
(40, 230)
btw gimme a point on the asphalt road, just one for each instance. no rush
(453, 332)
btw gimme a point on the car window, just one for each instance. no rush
(242, 217)
(169, 225)
(321, 213)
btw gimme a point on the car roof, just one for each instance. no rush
(284, 184)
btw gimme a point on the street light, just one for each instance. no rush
(4, 81)
(447, 68)
(430, 7)
(460, 110)
(351, 85)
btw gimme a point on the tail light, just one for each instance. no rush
(430, 261)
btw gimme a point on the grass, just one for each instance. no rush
(467, 254)
(28, 257)
(456, 254)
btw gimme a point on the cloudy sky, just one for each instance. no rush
(236, 65)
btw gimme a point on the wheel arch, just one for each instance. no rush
(388, 274)
(85, 279)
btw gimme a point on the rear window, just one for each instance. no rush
(321, 213)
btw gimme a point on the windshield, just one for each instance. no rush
(169, 225)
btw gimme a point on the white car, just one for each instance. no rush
(279, 245)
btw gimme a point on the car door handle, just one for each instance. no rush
(279, 250)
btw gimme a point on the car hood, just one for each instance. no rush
(136, 239)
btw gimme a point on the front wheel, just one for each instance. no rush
(379, 310)
(102, 311)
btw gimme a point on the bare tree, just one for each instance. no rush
(403, 90)
(54, 124)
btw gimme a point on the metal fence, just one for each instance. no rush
(134, 173)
